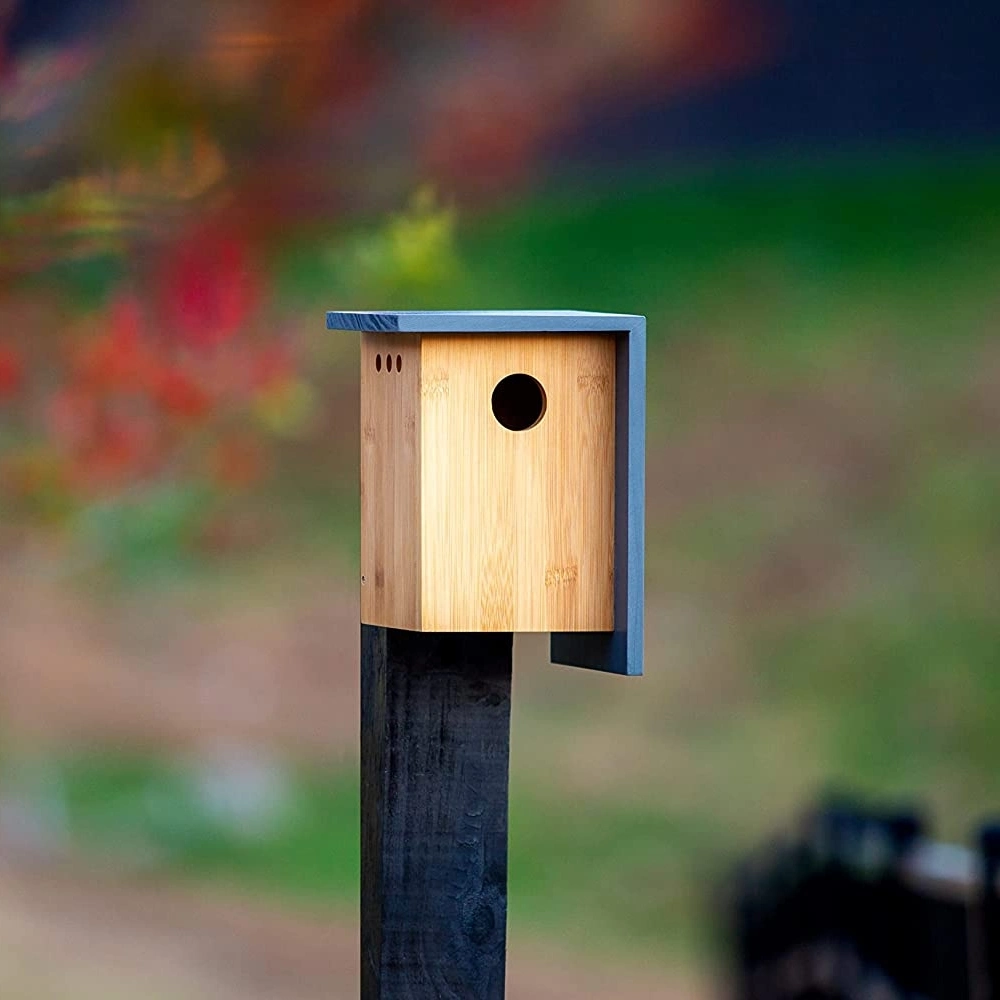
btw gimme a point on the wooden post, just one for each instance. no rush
(502, 483)
(435, 742)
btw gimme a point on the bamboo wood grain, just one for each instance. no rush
(517, 526)
(390, 481)
(468, 526)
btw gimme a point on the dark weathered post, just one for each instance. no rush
(435, 737)
(501, 491)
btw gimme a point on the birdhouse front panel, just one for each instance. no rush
(517, 483)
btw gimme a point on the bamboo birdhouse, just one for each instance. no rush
(502, 476)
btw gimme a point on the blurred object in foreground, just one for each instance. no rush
(858, 903)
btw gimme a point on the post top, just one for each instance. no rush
(484, 321)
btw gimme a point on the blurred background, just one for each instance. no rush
(804, 198)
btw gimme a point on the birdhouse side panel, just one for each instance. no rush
(390, 480)
(517, 492)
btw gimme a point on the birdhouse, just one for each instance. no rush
(502, 471)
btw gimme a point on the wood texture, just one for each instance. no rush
(517, 526)
(390, 480)
(435, 739)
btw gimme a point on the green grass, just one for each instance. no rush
(839, 614)
(788, 262)
(587, 873)
(156, 812)
(854, 305)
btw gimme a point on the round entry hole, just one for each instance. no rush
(518, 402)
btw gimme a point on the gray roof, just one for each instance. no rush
(483, 321)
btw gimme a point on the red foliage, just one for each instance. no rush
(126, 321)
(244, 128)
(72, 416)
(124, 446)
(119, 359)
(710, 40)
(11, 372)
(108, 418)
(517, 11)
(236, 462)
(179, 394)
(209, 287)
(483, 154)
(270, 367)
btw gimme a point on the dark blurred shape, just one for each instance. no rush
(51, 22)
(859, 903)
(844, 74)
(989, 942)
